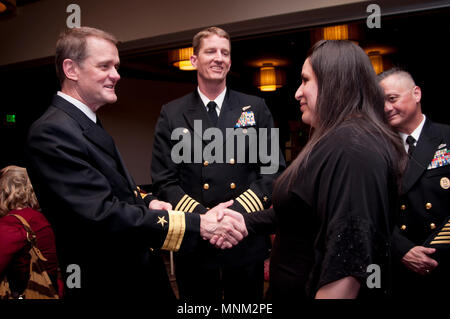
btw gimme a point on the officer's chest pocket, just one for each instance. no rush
(244, 144)
(245, 132)
(443, 171)
(245, 136)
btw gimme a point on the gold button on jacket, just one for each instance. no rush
(232, 185)
(205, 186)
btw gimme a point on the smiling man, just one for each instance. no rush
(207, 275)
(101, 222)
(420, 239)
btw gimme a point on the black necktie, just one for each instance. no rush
(410, 141)
(212, 112)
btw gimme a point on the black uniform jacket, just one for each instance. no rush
(200, 182)
(424, 206)
(101, 222)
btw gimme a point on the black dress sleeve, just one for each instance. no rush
(261, 222)
(349, 191)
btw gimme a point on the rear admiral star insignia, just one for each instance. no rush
(162, 220)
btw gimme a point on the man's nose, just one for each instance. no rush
(388, 107)
(114, 74)
(218, 56)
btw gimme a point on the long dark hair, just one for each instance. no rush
(347, 88)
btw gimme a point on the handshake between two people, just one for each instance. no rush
(223, 227)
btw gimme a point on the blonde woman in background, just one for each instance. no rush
(17, 197)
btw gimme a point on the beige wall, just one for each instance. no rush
(32, 33)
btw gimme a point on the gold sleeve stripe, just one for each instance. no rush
(250, 201)
(249, 205)
(443, 233)
(445, 228)
(255, 197)
(175, 233)
(188, 207)
(446, 225)
(243, 205)
(193, 207)
(177, 208)
(441, 237)
(440, 242)
(186, 204)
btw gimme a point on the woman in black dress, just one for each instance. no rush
(334, 204)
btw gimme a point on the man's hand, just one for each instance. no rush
(158, 204)
(218, 241)
(230, 229)
(418, 261)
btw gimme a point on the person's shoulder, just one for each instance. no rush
(444, 128)
(53, 121)
(11, 221)
(345, 134)
(33, 217)
(353, 138)
(51, 116)
(180, 102)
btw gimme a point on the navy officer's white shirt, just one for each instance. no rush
(219, 100)
(415, 134)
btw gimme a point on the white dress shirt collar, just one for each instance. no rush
(79, 105)
(415, 134)
(219, 100)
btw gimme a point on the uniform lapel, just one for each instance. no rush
(98, 136)
(93, 132)
(229, 114)
(196, 111)
(429, 140)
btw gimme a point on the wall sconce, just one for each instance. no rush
(336, 32)
(7, 7)
(379, 56)
(350, 32)
(377, 61)
(269, 78)
(181, 58)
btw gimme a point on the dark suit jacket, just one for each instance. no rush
(202, 183)
(100, 221)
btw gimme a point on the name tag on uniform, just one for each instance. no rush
(440, 158)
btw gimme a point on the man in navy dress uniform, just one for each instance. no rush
(206, 179)
(102, 224)
(421, 238)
